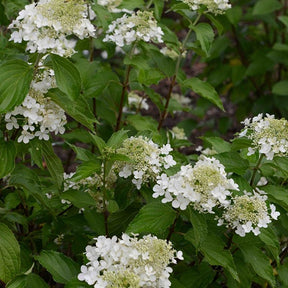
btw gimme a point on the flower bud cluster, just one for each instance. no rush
(269, 135)
(37, 115)
(213, 6)
(147, 159)
(129, 262)
(138, 26)
(92, 185)
(205, 186)
(247, 213)
(46, 25)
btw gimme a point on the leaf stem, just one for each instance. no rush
(256, 168)
(173, 80)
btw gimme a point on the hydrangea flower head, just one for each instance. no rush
(37, 115)
(269, 135)
(213, 6)
(147, 159)
(46, 25)
(138, 26)
(129, 262)
(205, 186)
(247, 213)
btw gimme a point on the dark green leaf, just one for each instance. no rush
(204, 89)
(280, 88)
(205, 35)
(7, 157)
(259, 262)
(117, 138)
(53, 163)
(15, 79)
(79, 199)
(67, 76)
(218, 144)
(266, 6)
(78, 108)
(28, 281)
(153, 218)
(62, 268)
(9, 254)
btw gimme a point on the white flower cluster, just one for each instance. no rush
(147, 159)
(37, 115)
(213, 6)
(136, 102)
(129, 262)
(269, 135)
(112, 6)
(138, 26)
(45, 26)
(205, 186)
(247, 213)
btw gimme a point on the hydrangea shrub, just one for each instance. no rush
(102, 180)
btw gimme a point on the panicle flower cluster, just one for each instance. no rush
(205, 186)
(129, 262)
(92, 185)
(269, 135)
(213, 6)
(147, 159)
(248, 212)
(45, 26)
(37, 115)
(138, 26)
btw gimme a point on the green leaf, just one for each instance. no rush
(216, 23)
(15, 79)
(284, 20)
(53, 162)
(99, 142)
(142, 123)
(266, 6)
(9, 254)
(277, 195)
(77, 108)
(213, 248)
(28, 281)
(7, 157)
(259, 262)
(233, 162)
(280, 88)
(67, 76)
(78, 198)
(283, 273)
(199, 276)
(117, 138)
(62, 268)
(200, 228)
(153, 218)
(205, 90)
(82, 153)
(158, 8)
(77, 284)
(205, 35)
(234, 15)
(218, 144)
(86, 169)
(269, 237)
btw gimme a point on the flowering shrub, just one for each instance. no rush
(120, 163)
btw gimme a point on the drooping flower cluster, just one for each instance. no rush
(205, 186)
(38, 115)
(129, 262)
(269, 135)
(213, 6)
(45, 26)
(138, 26)
(247, 213)
(147, 159)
